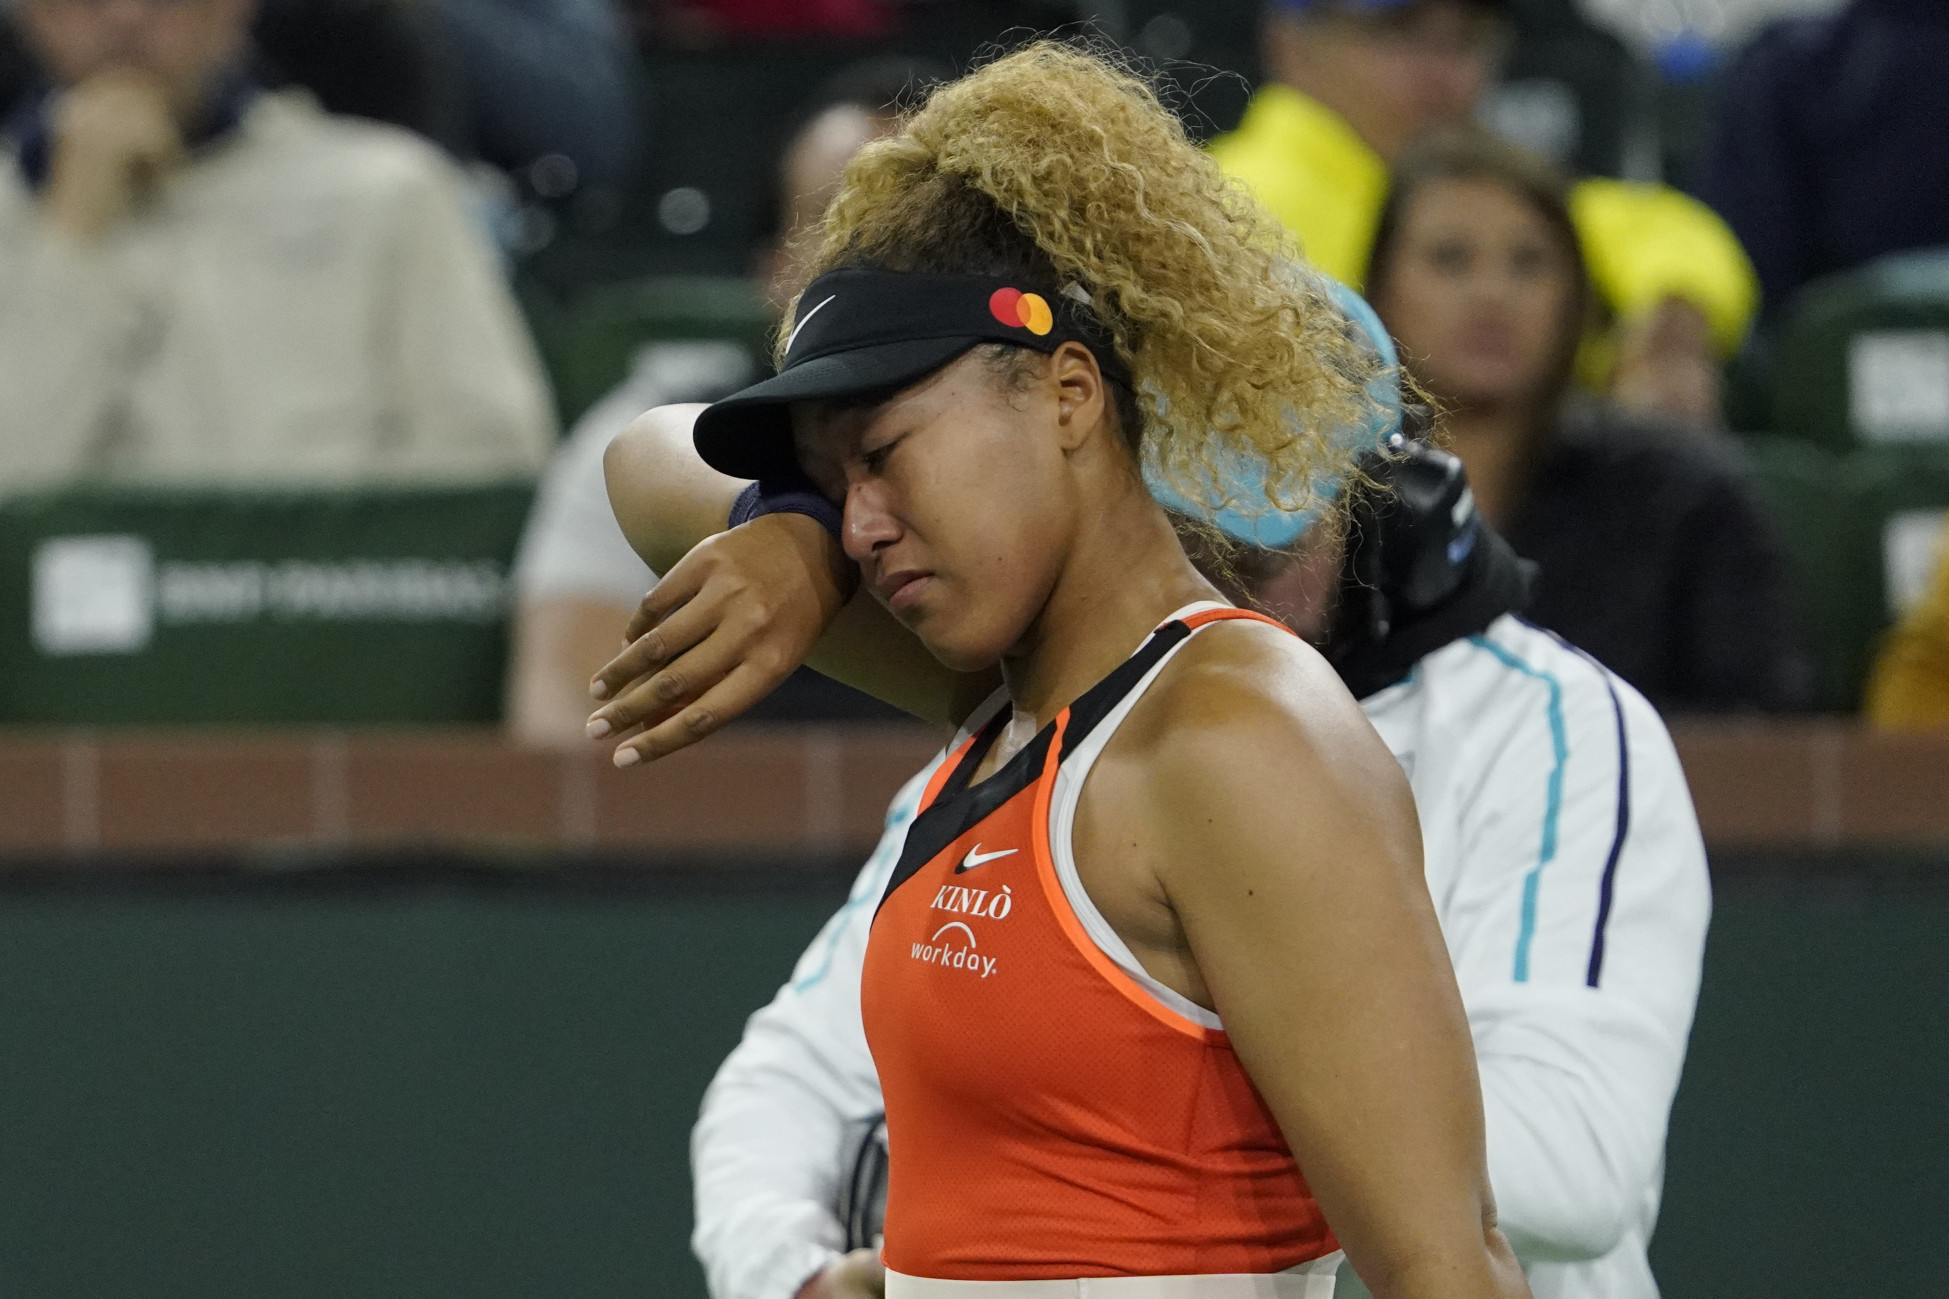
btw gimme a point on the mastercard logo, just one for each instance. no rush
(1023, 310)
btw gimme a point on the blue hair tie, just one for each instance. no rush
(1252, 520)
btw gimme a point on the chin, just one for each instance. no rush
(958, 649)
(957, 658)
(964, 643)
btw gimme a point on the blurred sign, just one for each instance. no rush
(1911, 551)
(93, 595)
(398, 590)
(1898, 385)
(106, 595)
(166, 606)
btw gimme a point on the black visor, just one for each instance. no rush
(860, 330)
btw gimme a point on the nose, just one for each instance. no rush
(869, 526)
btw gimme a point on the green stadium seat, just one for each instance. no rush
(1747, 393)
(1818, 504)
(591, 344)
(1905, 492)
(1863, 357)
(161, 607)
(1863, 534)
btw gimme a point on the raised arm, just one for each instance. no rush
(1287, 846)
(665, 497)
(738, 610)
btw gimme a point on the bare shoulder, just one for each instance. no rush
(1251, 727)
(1252, 691)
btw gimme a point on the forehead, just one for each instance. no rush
(834, 430)
(1473, 204)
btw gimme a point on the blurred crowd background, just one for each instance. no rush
(316, 315)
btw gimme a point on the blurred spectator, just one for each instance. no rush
(1653, 552)
(16, 70)
(696, 22)
(510, 82)
(202, 282)
(576, 579)
(547, 80)
(379, 59)
(1352, 83)
(1831, 149)
(1908, 689)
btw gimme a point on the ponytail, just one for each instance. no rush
(1053, 165)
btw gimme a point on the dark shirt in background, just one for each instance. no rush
(1655, 557)
(1832, 142)
(508, 82)
(545, 77)
(16, 71)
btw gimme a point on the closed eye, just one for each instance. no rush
(876, 459)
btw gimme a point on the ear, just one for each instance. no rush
(1082, 400)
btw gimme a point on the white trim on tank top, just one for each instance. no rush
(1310, 1280)
(1062, 828)
(983, 714)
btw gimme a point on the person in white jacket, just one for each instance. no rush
(1565, 862)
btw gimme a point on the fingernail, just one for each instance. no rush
(598, 690)
(627, 757)
(599, 727)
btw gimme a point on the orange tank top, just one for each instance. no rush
(1052, 1112)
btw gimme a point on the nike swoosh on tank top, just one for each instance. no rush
(1051, 1111)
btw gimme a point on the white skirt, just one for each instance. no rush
(1312, 1280)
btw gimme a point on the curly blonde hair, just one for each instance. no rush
(1057, 166)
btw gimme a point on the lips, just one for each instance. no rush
(1491, 335)
(899, 590)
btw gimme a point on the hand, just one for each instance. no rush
(1665, 366)
(729, 622)
(115, 139)
(859, 1275)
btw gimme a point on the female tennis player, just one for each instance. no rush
(1568, 875)
(1156, 993)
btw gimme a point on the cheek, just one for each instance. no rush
(1421, 309)
(1010, 503)
(995, 522)
(1544, 317)
(1462, 80)
(1383, 79)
